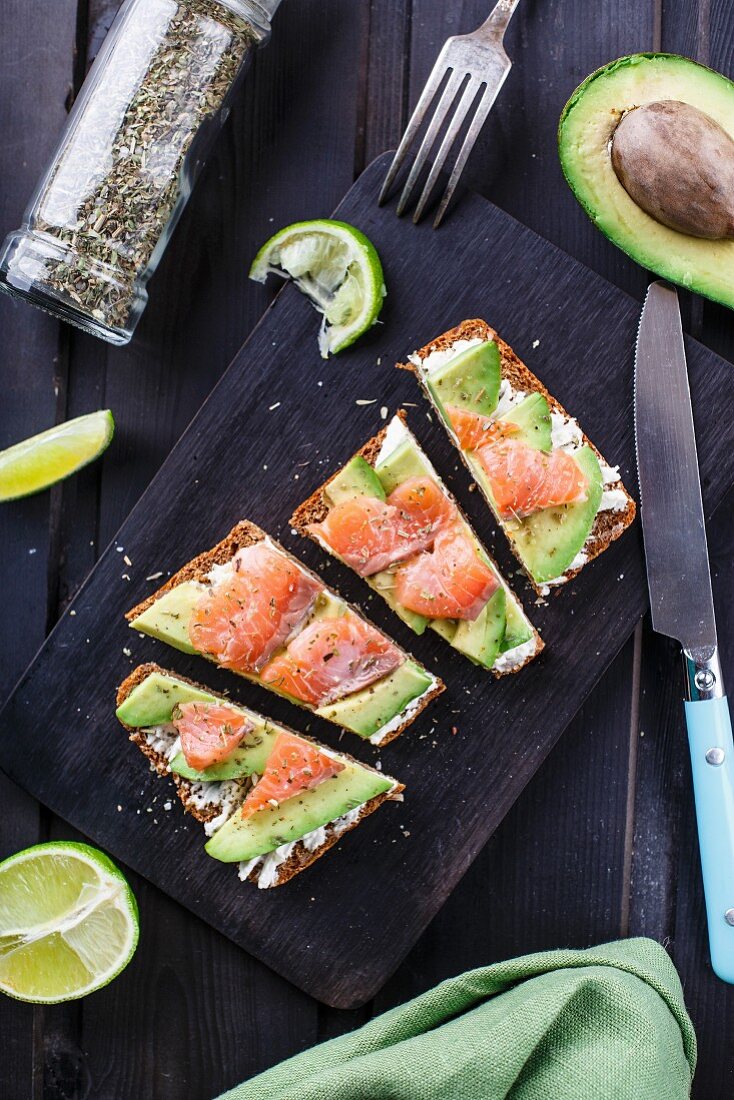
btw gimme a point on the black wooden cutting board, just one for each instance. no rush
(277, 423)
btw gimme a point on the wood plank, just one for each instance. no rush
(566, 867)
(667, 894)
(155, 387)
(204, 480)
(41, 42)
(549, 877)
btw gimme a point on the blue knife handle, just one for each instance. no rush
(712, 761)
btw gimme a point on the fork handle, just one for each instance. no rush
(495, 25)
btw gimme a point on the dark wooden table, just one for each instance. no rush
(602, 843)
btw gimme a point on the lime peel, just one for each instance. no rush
(39, 462)
(337, 267)
(68, 922)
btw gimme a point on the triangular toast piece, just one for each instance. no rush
(212, 803)
(528, 535)
(501, 638)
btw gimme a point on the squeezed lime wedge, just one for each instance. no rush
(337, 267)
(44, 459)
(68, 922)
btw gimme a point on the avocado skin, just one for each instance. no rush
(662, 256)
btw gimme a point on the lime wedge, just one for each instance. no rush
(68, 922)
(337, 267)
(44, 459)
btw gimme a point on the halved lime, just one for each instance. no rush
(68, 922)
(337, 267)
(44, 459)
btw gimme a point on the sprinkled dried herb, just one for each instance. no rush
(115, 186)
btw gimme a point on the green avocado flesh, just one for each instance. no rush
(481, 640)
(586, 127)
(356, 479)
(517, 629)
(167, 620)
(548, 541)
(471, 380)
(152, 703)
(365, 712)
(242, 839)
(532, 416)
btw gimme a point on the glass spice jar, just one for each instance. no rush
(134, 142)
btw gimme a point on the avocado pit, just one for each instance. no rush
(677, 164)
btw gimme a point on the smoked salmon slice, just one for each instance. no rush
(449, 582)
(473, 430)
(209, 732)
(243, 618)
(331, 658)
(524, 480)
(294, 766)
(370, 534)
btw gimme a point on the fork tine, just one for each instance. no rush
(445, 102)
(480, 117)
(467, 98)
(427, 95)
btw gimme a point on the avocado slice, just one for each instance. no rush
(548, 541)
(470, 380)
(152, 701)
(249, 756)
(357, 479)
(481, 639)
(586, 128)
(384, 583)
(475, 640)
(532, 416)
(404, 462)
(243, 839)
(365, 712)
(517, 627)
(167, 618)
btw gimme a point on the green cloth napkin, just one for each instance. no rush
(608, 1023)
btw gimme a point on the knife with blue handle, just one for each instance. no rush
(681, 601)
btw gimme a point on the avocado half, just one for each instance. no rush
(585, 130)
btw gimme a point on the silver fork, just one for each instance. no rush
(474, 68)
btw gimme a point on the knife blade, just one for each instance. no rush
(678, 573)
(679, 580)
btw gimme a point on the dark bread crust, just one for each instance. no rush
(315, 509)
(608, 526)
(247, 534)
(300, 858)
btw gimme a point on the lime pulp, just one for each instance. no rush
(44, 459)
(337, 267)
(68, 922)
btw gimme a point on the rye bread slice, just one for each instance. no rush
(300, 858)
(608, 525)
(245, 534)
(315, 510)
